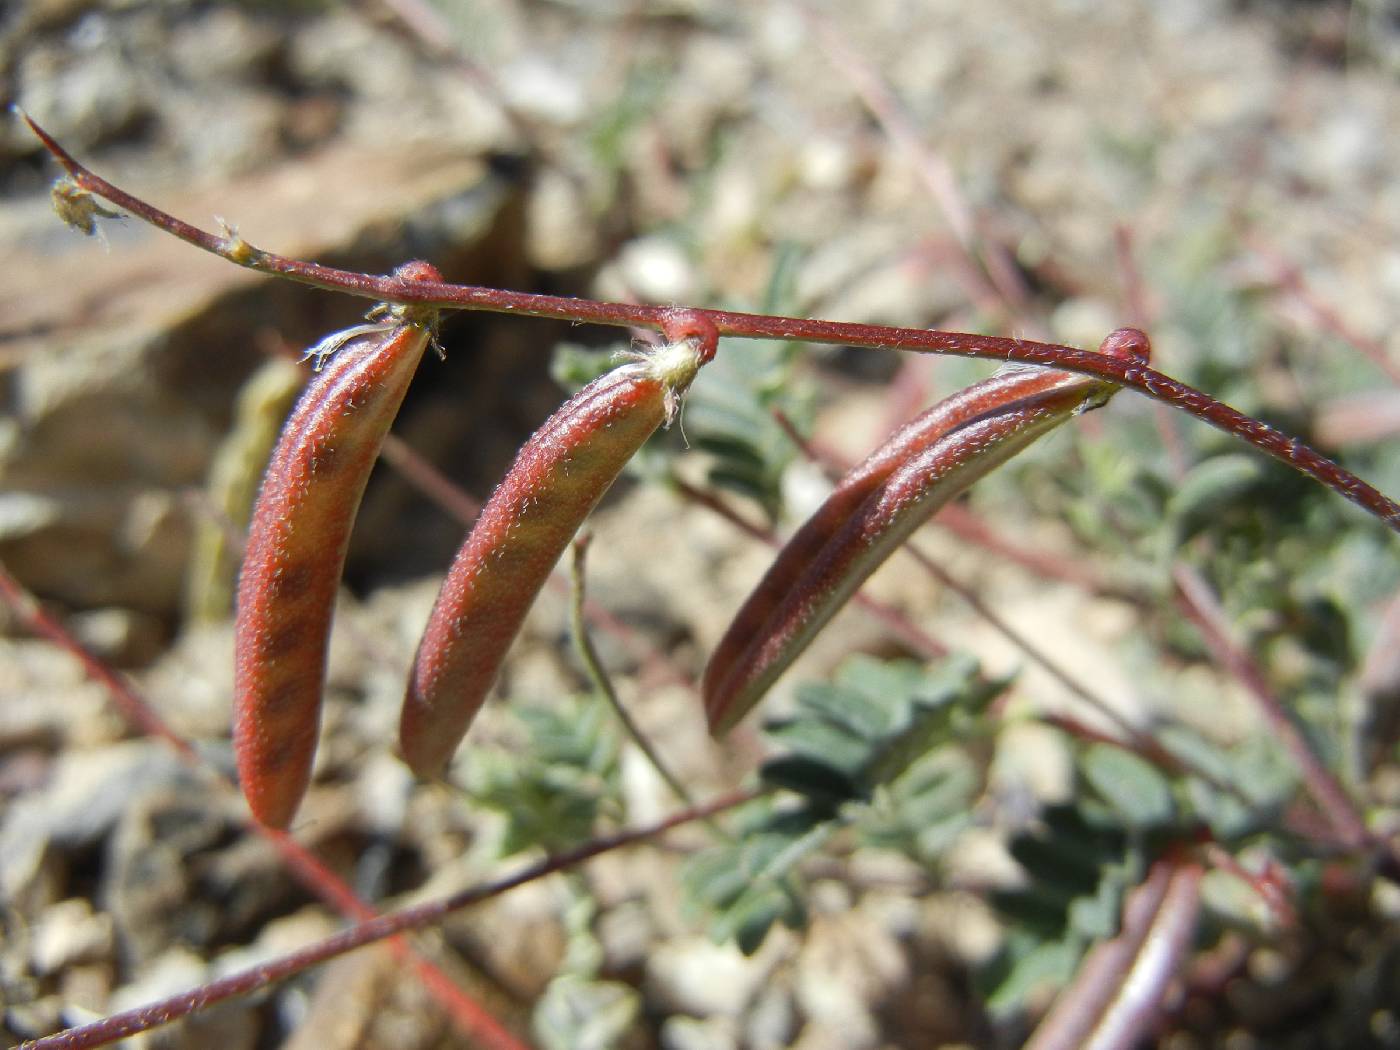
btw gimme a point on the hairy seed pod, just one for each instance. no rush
(875, 508)
(296, 548)
(557, 478)
(853, 490)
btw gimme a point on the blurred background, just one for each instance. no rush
(1223, 174)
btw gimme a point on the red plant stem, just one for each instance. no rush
(1290, 279)
(1202, 607)
(966, 525)
(1118, 990)
(1134, 376)
(899, 625)
(932, 168)
(472, 1020)
(143, 1018)
(1271, 885)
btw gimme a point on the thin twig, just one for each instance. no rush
(1202, 607)
(1290, 280)
(1117, 993)
(473, 1020)
(1130, 374)
(965, 524)
(458, 504)
(602, 681)
(931, 167)
(143, 1018)
(1140, 315)
(912, 635)
(1034, 652)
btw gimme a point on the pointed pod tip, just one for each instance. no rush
(724, 708)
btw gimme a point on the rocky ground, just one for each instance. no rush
(1100, 157)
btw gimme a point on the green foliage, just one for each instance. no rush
(861, 752)
(747, 884)
(922, 812)
(553, 788)
(1078, 863)
(1237, 792)
(1080, 859)
(1133, 788)
(885, 755)
(873, 722)
(578, 1010)
(729, 414)
(574, 366)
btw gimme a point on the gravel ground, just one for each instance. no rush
(673, 151)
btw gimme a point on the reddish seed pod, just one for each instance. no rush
(296, 547)
(853, 490)
(557, 478)
(878, 505)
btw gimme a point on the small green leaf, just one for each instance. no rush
(1210, 489)
(852, 709)
(749, 884)
(819, 739)
(1130, 785)
(1098, 916)
(815, 779)
(1036, 967)
(924, 811)
(577, 1013)
(553, 789)
(1050, 858)
(1041, 909)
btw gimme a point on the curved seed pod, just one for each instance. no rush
(557, 478)
(296, 547)
(878, 505)
(853, 489)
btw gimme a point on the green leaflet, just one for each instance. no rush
(865, 751)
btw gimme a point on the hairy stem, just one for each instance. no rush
(472, 1019)
(898, 624)
(144, 1018)
(1125, 373)
(1203, 609)
(588, 655)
